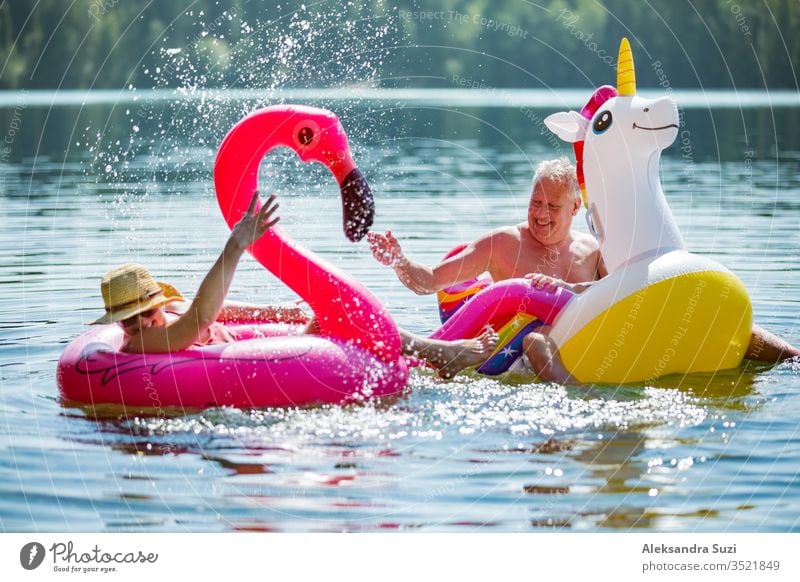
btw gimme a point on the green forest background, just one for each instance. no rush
(424, 43)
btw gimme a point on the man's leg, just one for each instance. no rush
(449, 357)
(767, 347)
(542, 353)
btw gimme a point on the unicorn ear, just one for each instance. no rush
(570, 126)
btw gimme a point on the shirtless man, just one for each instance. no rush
(545, 249)
(545, 243)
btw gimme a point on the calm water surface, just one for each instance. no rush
(83, 188)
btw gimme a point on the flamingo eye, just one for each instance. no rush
(603, 122)
(305, 135)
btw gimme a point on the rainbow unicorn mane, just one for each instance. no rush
(600, 96)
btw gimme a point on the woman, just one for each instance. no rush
(139, 303)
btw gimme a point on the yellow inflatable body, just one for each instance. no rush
(679, 313)
(661, 310)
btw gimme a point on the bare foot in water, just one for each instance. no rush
(449, 357)
(465, 353)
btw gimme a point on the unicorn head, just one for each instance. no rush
(618, 138)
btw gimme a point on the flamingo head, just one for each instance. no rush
(317, 135)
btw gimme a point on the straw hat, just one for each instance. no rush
(130, 289)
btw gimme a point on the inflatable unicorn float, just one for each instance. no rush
(661, 310)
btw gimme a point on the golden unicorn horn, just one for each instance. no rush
(626, 74)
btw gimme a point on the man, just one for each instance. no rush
(545, 249)
(545, 243)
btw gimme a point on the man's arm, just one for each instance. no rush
(600, 272)
(551, 283)
(422, 279)
(601, 266)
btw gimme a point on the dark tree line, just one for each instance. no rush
(417, 43)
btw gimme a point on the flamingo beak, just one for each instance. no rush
(358, 206)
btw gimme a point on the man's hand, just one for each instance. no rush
(385, 248)
(541, 281)
(253, 225)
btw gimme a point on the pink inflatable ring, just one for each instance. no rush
(357, 353)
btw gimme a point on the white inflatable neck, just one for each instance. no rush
(629, 210)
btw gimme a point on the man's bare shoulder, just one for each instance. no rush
(500, 236)
(584, 244)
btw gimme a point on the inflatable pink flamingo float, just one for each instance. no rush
(355, 355)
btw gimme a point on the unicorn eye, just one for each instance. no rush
(603, 122)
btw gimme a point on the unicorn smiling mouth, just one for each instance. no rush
(655, 128)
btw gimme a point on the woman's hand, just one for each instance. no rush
(546, 282)
(253, 225)
(385, 248)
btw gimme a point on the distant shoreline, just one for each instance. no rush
(494, 97)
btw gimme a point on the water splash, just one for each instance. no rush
(205, 59)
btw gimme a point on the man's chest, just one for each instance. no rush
(548, 261)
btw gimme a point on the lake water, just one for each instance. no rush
(84, 187)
